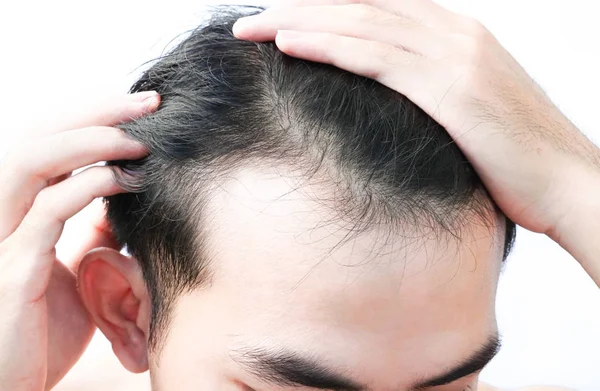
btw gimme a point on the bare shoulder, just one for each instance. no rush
(485, 387)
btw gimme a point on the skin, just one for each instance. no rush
(290, 292)
(384, 321)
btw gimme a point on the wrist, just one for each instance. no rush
(577, 229)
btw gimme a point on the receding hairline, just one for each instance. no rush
(272, 186)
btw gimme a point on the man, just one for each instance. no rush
(302, 237)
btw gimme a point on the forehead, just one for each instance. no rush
(285, 230)
(287, 274)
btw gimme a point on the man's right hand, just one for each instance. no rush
(45, 327)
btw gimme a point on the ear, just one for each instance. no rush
(113, 290)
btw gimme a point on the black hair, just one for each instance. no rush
(227, 103)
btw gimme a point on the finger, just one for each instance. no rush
(55, 205)
(99, 234)
(58, 179)
(389, 65)
(399, 70)
(35, 238)
(110, 112)
(424, 11)
(356, 21)
(26, 172)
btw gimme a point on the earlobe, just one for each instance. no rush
(113, 291)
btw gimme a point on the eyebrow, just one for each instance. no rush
(283, 368)
(472, 365)
(291, 369)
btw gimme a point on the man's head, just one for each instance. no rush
(294, 224)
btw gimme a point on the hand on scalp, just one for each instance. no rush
(539, 168)
(45, 327)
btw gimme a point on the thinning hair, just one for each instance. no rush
(228, 103)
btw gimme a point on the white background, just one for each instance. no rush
(58, 55)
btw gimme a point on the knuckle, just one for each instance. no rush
(44, 199)
(473, 50)
(27, 229)
(392, 56)
(388, 56)
(475, 28)
(390, 59)
(364, 12)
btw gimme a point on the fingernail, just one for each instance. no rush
(147, 99)
(141, 96)
(242, 24)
